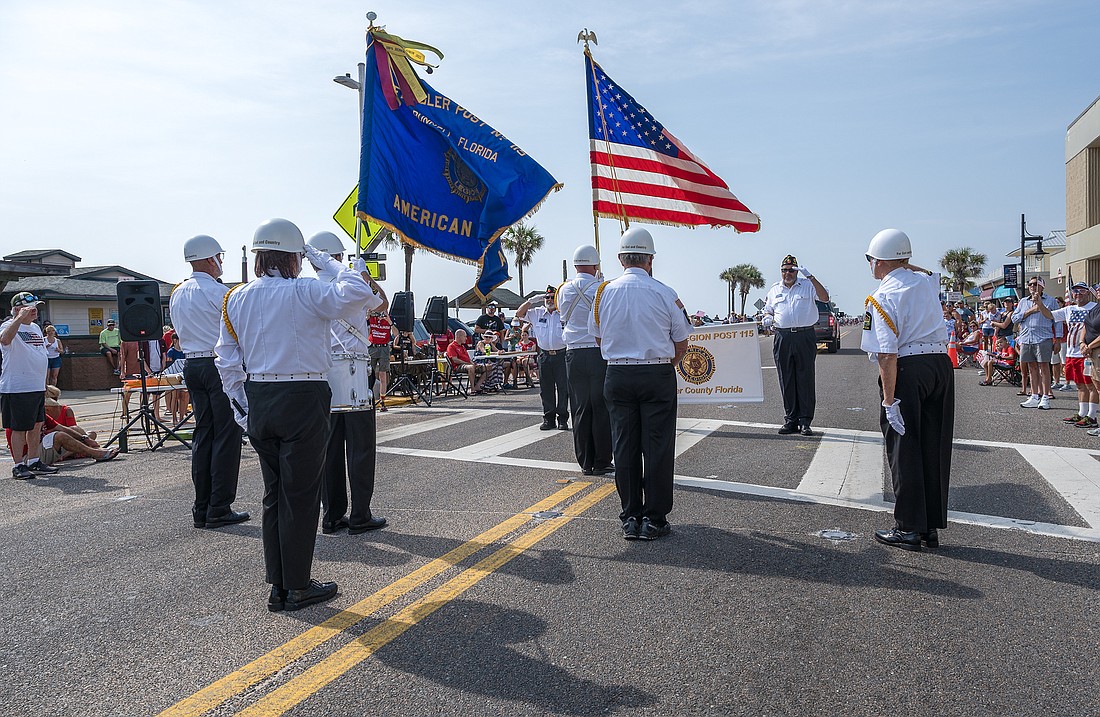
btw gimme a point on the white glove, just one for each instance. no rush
(768, 321)
(239, 404)
(360, 266)
(321, 260)
(893, 416)
(805, 272)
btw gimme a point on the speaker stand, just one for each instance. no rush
(410, 387)
(147, 417)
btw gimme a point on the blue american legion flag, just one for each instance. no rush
(641, 172)
(436, 174)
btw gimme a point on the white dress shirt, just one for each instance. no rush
(575, 298)
(344, 340)
(910, 301)
(638, 318)
(546, 328)
(794, 306)
(196, 307)
(282, 327)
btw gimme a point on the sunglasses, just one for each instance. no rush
(789, 271)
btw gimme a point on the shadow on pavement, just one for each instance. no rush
(477, 637)
(774, 556)
(72, 484)
(1070, 572)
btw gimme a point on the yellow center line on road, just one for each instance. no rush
(340, 662)
(266, 665)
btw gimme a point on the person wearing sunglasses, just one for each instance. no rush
(23, 385)
(791, 311)
(1034, 319)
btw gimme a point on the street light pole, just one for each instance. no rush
(1024, 238)
(357, 85)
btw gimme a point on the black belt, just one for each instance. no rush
(553, 352)
(795, 330)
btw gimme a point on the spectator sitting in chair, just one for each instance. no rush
(1003, 356)
(459, 358)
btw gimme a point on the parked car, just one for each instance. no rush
(827, 328)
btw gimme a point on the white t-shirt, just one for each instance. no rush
(24, 360)
(1074, 316)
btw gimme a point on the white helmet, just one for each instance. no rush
(327, 242)
(636, 240)
(890, 244)
(278, 235)
(201, 247)
(586, 255)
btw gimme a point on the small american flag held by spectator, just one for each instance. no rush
(640, 171)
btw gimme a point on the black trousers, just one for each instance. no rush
(288, 427)
(586, 370)
(920, 461)
(349, 462)
(642, 403)
(552, 386)
(795, 353)
(216, 446)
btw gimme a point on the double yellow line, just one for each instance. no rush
(309, 682)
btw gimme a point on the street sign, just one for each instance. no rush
(1012, 278)
(377, 270)
(345, 217)
(954, 296)
(759, 304)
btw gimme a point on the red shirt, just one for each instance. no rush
(442, 341)
(379, 330)
(457, 354)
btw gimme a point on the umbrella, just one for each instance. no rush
(1003, 292)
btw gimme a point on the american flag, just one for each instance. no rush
(640, 171)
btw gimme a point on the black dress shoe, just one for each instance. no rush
(276, 601)
(230, 518)
(315, 593)
(547, 425)
(652, 531)
(631, 529)
(607, 470)
(931, 538)
(788, 429)
(899, 539)
(563, 425)
(805, 430)
(373, 524)
(330, 528)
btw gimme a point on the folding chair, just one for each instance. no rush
(1005, 372)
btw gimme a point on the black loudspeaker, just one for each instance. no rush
(139, 312)
(401, 311)
(435, 315)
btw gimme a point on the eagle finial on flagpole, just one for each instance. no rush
(586, 36)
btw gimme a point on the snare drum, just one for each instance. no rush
(349, 379)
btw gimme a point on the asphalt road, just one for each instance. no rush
(502, 586)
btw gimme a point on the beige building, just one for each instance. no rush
(1082, 254)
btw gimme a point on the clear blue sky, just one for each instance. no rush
(129, 126)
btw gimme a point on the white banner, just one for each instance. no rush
(722, 365)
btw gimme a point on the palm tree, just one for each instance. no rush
(963, 265)
(392, 241)
(523, 241)
(745, 277)
(728, 277)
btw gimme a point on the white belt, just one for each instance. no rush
(583, 346)
(917, 349)
(201, 354)
(273, 377)
(639, 362)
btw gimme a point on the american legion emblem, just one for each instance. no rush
(461, 179)
(697, 365)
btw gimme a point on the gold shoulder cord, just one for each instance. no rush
(557, 294)
(596, 303)
(885, 317)
(225, 313)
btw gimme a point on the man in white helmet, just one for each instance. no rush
(352, 438)
(903, 330)
(643, 332)
(278, 326)
(585, 366)
(196, 306)
(791, 311)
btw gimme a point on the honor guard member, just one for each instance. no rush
(903, 329)
(196, 307)
(585, 367)
(352, 437)
(278, 326)
(546, 328)
(791, 311)
(642, 330)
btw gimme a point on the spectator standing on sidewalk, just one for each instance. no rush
(54, 349)
(23, 385)
(1058, 351)
(1034, 341)
(1074, 316)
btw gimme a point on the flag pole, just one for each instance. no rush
(587, 36)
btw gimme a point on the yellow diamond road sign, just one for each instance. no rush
(345, 217)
